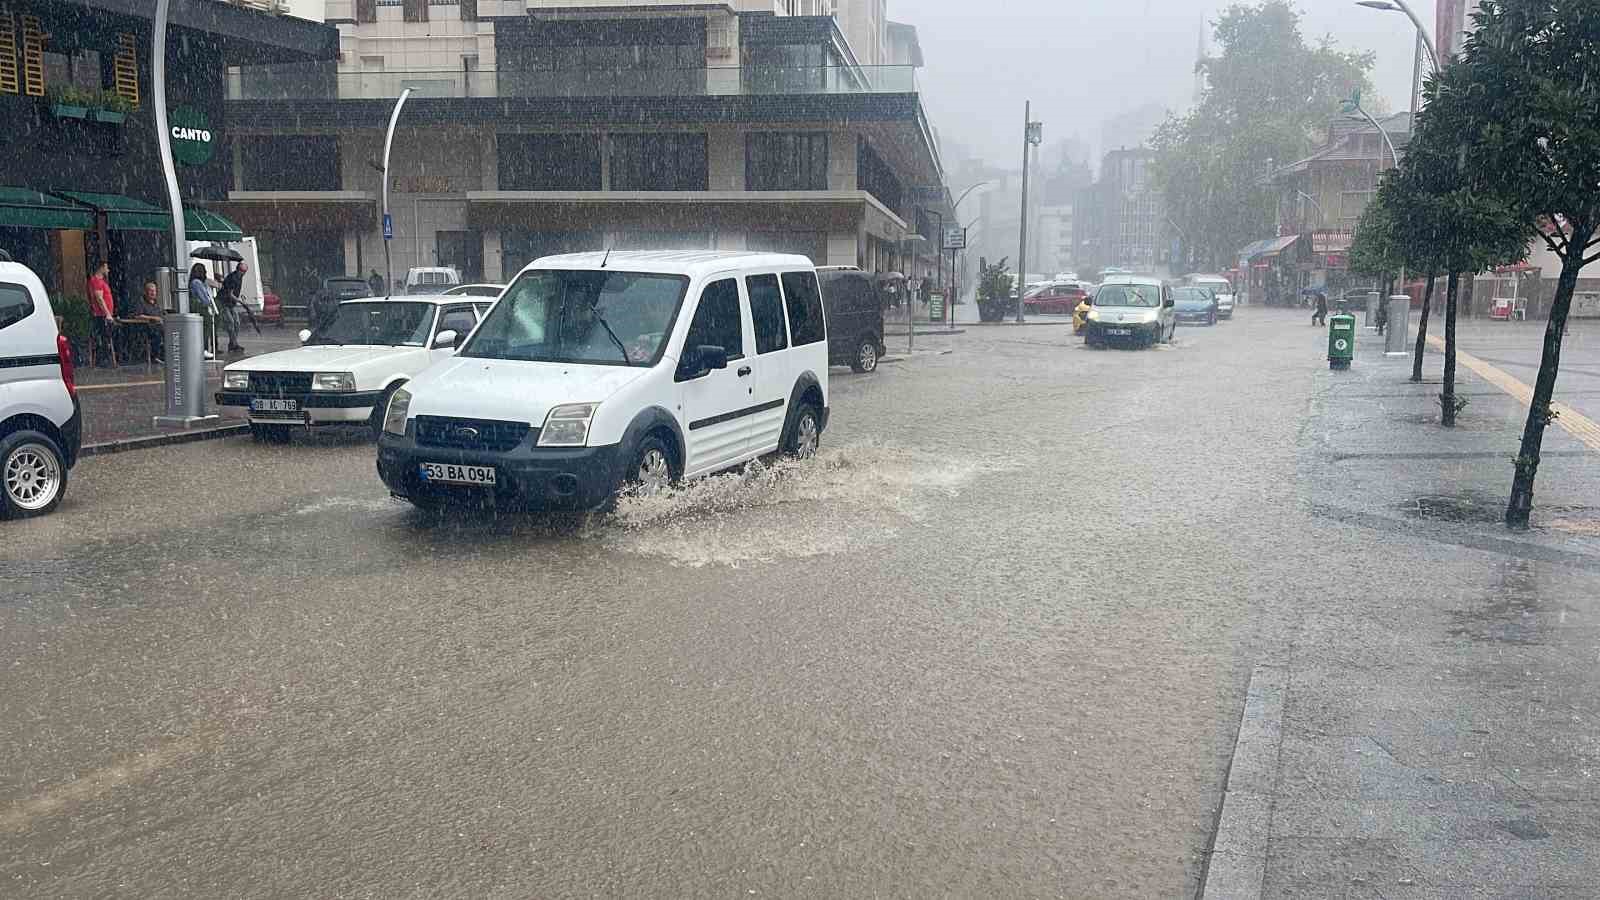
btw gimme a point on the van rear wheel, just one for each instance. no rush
(33, 474)
(866, 359)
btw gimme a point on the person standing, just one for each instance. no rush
(1319, 316)
(201, 299)
(103, 310)
(231, 296)
(375, 283)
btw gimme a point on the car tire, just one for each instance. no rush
(33, 474)
(651, 467)
(866, 358)
(379, 410)
(269, 434)
(805, 434)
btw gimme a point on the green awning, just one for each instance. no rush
(22, 208)
(123, 213)
(205, 225)
(128, 214)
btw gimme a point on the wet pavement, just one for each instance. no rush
(994, 642)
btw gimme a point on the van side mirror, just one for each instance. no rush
(700, 360)
(1169, 302)
(305, 335)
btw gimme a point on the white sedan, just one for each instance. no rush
(344, 372)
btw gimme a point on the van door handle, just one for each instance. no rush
(743, 371)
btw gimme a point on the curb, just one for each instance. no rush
(926, 333)
(1014, 324)
(161, 440)
(1236, 863)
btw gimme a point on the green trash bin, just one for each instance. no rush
(1341, 340)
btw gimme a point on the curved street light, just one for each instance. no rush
(968, 191)
(1400, 6)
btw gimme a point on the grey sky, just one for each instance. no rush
(1082, 61)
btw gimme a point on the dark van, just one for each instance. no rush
(855, 318)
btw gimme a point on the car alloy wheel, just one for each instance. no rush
(866, 357)
(32, 476)
(807, 434)
(655, 473)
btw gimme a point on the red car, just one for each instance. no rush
(1060, 298)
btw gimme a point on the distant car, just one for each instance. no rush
(1131, 309)
(475, 290)
(1194, 305)
(1057, 298)
(345, 371)
(431, 279)
(41, 430)
(855, 318)
(1220, 287)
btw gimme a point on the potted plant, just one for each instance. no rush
(994, 291)
(112, 108)
(71, 102)
(73, 311)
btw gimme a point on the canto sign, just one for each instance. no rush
(192, 138)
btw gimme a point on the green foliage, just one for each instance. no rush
(75, 318)
(994, 290)
(1375, 248)
(1267, 96)
(72, 95)
(114, 102)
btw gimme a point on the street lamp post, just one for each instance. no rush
(1032, 135)
(1400, 5)
(388, 222)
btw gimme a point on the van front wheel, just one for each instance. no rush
(806, 436)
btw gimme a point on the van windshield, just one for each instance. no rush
(1147, 295)
(581, 316)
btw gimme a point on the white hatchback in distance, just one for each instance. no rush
(40, 426)
(344, 372)
(594, 371)
(1220, 287)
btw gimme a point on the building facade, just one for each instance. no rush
(80, 172)
(533, 131)
(1120, 221)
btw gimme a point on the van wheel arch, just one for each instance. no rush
(658, 421)
(33, 422)
(807, 390)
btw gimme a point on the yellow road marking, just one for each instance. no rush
(100, 781)
(1577, 424)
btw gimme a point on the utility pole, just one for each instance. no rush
(1032, 134)
(388, 221)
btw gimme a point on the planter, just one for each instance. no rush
(63, 111)
(110, 116)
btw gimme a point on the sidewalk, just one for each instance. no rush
(1433, 728)
(121, 404)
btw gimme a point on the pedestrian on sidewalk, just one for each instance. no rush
(1319, 316)
(203, 302)
(229, 300)
(148, 313)
(375, 283)
(103, 309)
(1382, 318)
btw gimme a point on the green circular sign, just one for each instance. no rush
(192, 138)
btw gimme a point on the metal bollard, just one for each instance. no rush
(1396, 336)
(1371, 318)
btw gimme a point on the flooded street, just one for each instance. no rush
(993, 641)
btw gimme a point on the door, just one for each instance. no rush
(773, 374)
(715, 403)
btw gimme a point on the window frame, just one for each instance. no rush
(783, 312)
(700, 303)
(795, 342)
(29, 306)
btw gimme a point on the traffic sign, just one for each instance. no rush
(388, 227)
(955, 238)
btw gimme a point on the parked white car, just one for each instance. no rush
(431, 279)
(344, 372)
(40, 426)
(596, 371)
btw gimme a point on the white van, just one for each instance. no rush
(431, 279)
(40, 428)
(595, 371)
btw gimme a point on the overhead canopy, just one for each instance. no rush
(1267, 247)
(130, 214)
(23, 208)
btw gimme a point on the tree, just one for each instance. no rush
(1267, 95)
(1524, 105)
(994, 290)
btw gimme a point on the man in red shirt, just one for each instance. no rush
(103, 307)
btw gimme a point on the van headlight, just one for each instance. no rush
(333, 381)
(567, 425)
(1093, 315)
(394, 420)
(235, 381)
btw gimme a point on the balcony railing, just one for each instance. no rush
(301, 82)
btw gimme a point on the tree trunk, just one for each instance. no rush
(1527, 462)
(1447, 398)
(1422, 329)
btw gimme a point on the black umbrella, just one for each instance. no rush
(218, 254)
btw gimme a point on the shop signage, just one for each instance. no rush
(422, 184)
(1331, 241)
(193, 141)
